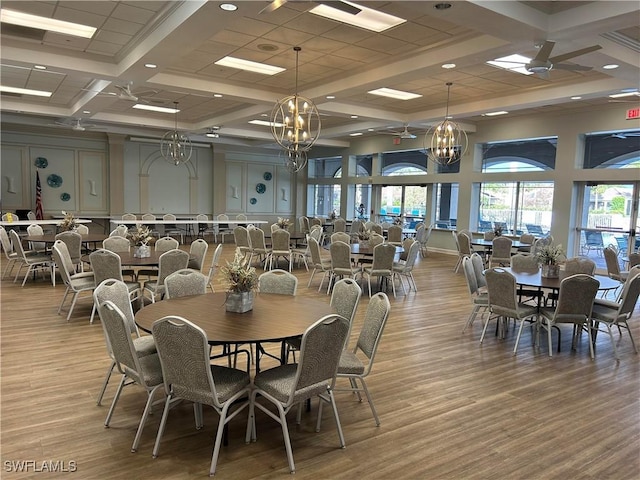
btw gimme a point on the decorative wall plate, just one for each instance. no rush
(253, 200)
(261, 188)
(65, 197)
(41, 162)
(54, 181)
(267, 176)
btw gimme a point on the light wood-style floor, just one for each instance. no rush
(450, 408)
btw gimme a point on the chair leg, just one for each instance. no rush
(145, 414)
(163, 423)
(115, 400)
(370, 400)
(106, 381)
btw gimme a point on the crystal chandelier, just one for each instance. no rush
(446, 142)
(175, 147)
(295, 125)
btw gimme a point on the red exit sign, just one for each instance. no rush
(633, 113)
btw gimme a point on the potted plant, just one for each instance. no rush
(242, 280)
(549, 257)
(398, 221)
(497, 232)
(140, 238)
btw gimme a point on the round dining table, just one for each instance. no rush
(536, 279)
(274, 318)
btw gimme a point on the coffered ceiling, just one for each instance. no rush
(184, 39)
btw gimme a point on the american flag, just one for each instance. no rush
(39, 213)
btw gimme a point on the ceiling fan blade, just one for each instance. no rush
(343, 7)
(573, 68)
(575, 53)
(273, 6)
(545, 51)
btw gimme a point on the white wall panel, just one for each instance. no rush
(15, 177)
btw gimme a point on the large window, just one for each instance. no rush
(446, 205)
(359, 202)
(612, 150)
(411, 162)
(532, 155)
(325, 167)
(322, 200)
(408, 201)
(609, 215)
(519, 207)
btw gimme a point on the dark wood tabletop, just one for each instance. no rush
(537, 280)
(273, 318)
(360, 249)
(127, 259)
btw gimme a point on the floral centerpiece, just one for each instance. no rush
(398, 221)
(283, 223)
(140, 238)
(548, 257)
(497, 231)
(68, 222)
(333, 215)
(364, 235)
(242, 280)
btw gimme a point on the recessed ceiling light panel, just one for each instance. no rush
(249, 66)
(25, 91)
(366, 18)
(391, 93)
(43, 23)
(153, 108)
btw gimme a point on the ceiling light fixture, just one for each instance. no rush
(249, 66)
(391, 93)
(39, 67)
(175, 147)
(610, 66)
(576, 98)
(366, 18)
(449, 66)
(151, 65)
(154, 108)
(43, 23)
(228, 7)
(25, 91)
(300, 128)
(493, 114)
(446, 142)
(624, 94)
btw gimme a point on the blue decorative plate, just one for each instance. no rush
(267, 176)
(41, 162)
(54, 181)
(65, 197)
(261, 188)
(253, 200)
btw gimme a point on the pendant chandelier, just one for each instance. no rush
(446, 142)
(175, 147)
(295, 126)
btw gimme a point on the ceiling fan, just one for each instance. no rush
(404, 134)
(124, 92)
(625, 135)
(74, 124)
(342, 6)
(543, 62)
